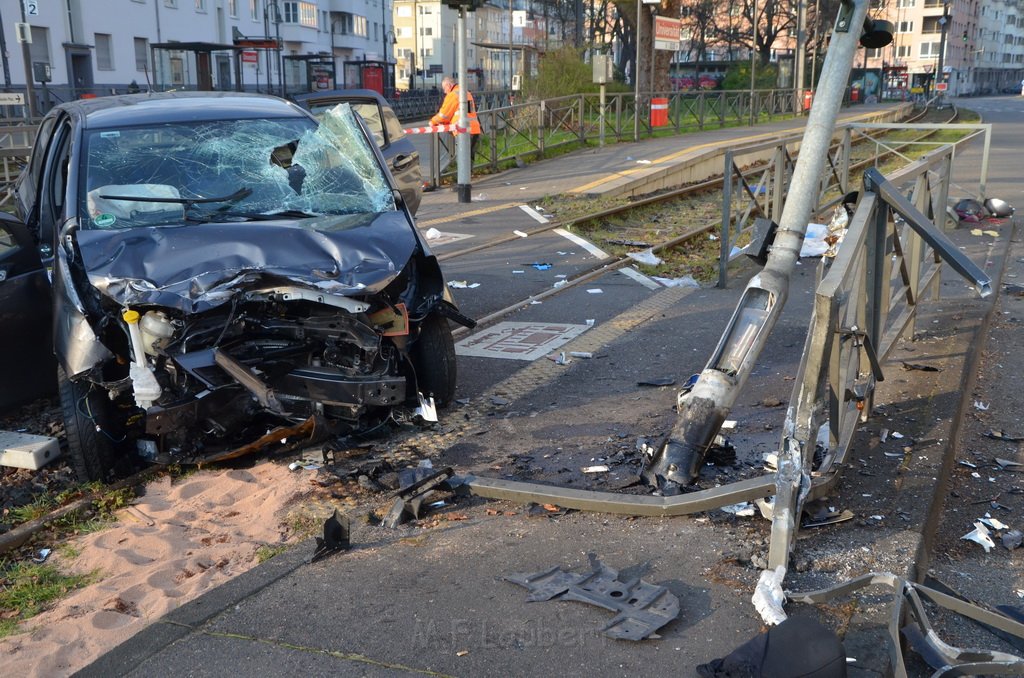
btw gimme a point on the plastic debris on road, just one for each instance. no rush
(595, 290)
(743, 509)
(597, 468)
(432, 234)
(521, 234)
(814, 241)
(462, 285)
(647, 257)
(41, 556)
(980, 535)
(685, 281)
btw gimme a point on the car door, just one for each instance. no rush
(403, 159)
(27, 366)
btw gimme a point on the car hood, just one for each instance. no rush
(197, 267)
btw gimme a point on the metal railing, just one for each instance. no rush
(755, 177)
(867, 299)
(15, 148)
(535, 129)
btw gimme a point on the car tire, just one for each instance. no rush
(433, 358)
(91, 453)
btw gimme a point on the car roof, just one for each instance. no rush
(339, 95)
(142, 109)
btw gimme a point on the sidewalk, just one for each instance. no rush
(430, 599)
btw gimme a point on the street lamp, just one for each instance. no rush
(510, 60)
(944, 23)
(277, 33)
(389, 39)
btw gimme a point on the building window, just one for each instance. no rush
(875, 53)
(930, 49)
(173, 4)
(905, 4)
(908, 27)
(233, 8)
(200, 5)
(307, 14)
(254, 10)
(903, 51)
(404, 11)
(141, 54)
(104, 52)
(426, 30)
(302, 13)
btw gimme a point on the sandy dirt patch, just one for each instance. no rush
(179, 540)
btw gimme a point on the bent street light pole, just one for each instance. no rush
(706, 406)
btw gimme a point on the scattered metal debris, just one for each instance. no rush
(410, 498)
(1012, 539)
(907, 604)
(918, 366)
(1005, 464)
(335, 539)
(642, 608)
(597, 468)
(41, 556)
(657, 381)
(1002, 435)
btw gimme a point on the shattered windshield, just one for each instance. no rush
(230, 170)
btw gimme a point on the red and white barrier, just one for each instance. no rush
(435, 128)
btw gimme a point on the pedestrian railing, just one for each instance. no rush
(867, 299)
(15, 148)
(535, 129)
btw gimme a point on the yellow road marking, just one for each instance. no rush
(463, 215)
(691, 149)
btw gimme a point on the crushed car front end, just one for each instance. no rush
(232, 283)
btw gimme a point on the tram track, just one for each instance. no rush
(714, 185)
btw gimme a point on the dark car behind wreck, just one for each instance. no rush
(226, 273)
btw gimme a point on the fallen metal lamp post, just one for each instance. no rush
(706, 406)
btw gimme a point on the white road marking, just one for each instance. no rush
(590, 247)
(639, 277)
(534, 213)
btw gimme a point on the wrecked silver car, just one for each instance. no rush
(229, 273)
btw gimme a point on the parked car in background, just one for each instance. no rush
(227, 272)
(403, 160)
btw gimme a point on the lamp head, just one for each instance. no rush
(877, 33)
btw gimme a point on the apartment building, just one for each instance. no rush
(981, 42)
(89, 47)
(503, 41)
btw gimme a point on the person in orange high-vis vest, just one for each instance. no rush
(448, 114)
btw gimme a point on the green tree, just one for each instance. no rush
(738, 77)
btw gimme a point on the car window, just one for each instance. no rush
(229, 170)
(393, 126)
(55, 178)
(29, 181)
(369, 111)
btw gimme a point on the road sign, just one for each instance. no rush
(941, 86)
(11, 99)
(666, 33)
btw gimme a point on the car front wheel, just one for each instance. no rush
(86, 411)
(433, 357)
